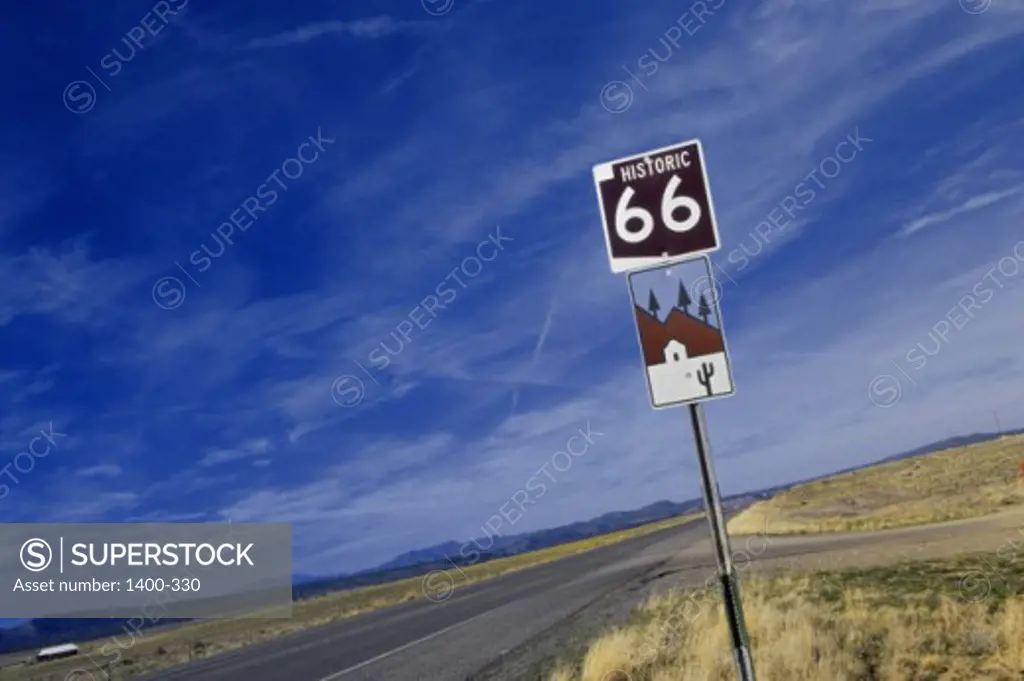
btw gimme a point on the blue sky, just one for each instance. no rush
(452, 131)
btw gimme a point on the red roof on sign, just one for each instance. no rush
(699, 337)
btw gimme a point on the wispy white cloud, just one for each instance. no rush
(66, 282)
(806, 412)
(369, 28)
(247, 450)
(100, 471)
(803, 390)
(542, 336)
(713, 92)
(86, 508)
(969, 206)
(439, 455)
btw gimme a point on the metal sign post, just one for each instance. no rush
(723, 554)
(658, 220)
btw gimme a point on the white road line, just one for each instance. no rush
(338, 675)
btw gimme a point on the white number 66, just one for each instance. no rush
(670, 203)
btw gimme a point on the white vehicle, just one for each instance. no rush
(57, 652)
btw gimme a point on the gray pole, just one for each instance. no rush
(730, 586)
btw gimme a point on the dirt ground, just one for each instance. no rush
(764, 555)
(954, 484)
(866, 549)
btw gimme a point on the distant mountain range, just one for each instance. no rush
(510, 545)
(43, 632)
(444, 555)
(950, 443)
(941, 445)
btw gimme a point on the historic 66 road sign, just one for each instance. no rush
(656, 207)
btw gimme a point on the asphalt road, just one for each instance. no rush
(426, 641)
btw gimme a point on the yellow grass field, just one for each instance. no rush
(158, 649)
(953, 484)
(955, 620)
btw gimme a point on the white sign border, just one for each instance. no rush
(721, 327)
(603, 171)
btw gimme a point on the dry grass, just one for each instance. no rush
(925, 621)
(162, 648)
(953, 484)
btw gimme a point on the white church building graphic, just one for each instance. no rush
(684, 352)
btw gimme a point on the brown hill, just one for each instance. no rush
(653, 336)
(698, 337)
